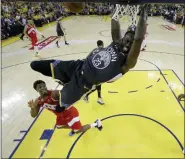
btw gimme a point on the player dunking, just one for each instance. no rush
(66, 119)
(103, 65)
(31, 31)
(60, 32)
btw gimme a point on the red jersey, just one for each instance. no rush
(68, 117)
(48, 103)
(31, 31)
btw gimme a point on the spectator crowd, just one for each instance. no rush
(14, 14)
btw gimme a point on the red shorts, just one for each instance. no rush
(69, 117)
(34, 40)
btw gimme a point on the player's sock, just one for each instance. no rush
(99, 94)
(94, 125)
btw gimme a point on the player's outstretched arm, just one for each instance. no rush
(115, 28)
(138, 39)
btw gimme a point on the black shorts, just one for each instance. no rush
(74, 90)
(60, 33)
(66, 69)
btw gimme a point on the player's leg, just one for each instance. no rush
(36, 49)
(77, 128)
(72, 115)
(74, 90)
(61, 122)
(42, 67)
(100, 100)
(86, 98)
(65, 39)
(34, 41)
(58, 39)
(59, 34)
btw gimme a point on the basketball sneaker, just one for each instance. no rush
(100, 101)
(99, 124)
(66, 43)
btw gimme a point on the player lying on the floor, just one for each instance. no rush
(103, 65)
(66, 119)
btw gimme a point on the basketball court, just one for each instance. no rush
(141, 116)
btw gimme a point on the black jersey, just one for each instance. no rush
(103, 64)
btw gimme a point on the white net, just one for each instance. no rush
(128, 11)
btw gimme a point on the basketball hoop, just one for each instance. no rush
(129, 11)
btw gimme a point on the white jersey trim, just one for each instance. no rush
(74, 120)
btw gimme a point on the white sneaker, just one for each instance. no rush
(100, 101)
(99, 124)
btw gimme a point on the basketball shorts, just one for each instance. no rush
(60, 33)
(69, 117)
(75, 90)
(34, 41)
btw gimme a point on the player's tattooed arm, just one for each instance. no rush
(33, 104)
(138, 39)
(115, 28)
